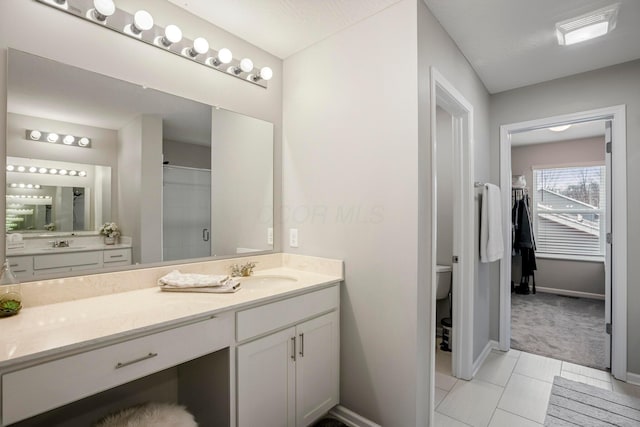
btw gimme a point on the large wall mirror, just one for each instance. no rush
(181, 179)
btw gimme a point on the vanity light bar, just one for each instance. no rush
(45, 170)
(22, 185)
(26, 196)
(56, 138)
(142, 27)
(19, 212)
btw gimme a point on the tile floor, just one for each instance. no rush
(510, 389)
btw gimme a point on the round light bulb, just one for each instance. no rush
(29, 185)
(10, 168)
(21, 169)
(82, 173)
(21, 185)
(68, 140)
(63, 171)
(143, 21)
(172, 34)
(53, 137)
(35, 135)
(84, 141)
(225, 56)
(37, 186)
(103, 9)
(43, 170)
(266, 73)
(14, 185)
(73, 173)
(53, 171)
(246, 65)
(200, 46)
(33, 169)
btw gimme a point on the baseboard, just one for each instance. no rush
(350, 418)
(633, 378)
(477, 364)
(569, 293)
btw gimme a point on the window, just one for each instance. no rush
(569, 211)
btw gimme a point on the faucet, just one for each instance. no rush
(243, 270)
(60, 243)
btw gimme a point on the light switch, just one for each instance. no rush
(293, 237)
(270, 236)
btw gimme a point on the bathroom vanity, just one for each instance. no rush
(265, 355)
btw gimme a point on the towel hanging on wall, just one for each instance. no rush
(491, 245)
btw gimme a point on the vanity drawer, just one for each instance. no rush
(40, 388)
(269, 317)
(70, 259)
(117, 255)
(21, 266)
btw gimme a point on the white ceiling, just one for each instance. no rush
(541, 136)
(510, 43)
(283, 27)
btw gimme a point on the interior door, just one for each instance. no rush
(608, 254)
(186, 215)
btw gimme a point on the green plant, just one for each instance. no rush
(9, 306)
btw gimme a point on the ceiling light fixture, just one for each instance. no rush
(560, 128)
(141, 26)
(588, 26)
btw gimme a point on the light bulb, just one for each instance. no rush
(225, 56)
(53, 171)
(14, 185)
(53, 137)
(63, 171)
(73, 173)
(265, 74)
(172, 34)
(200, 46)
(33, 169)
(142, 21)
(68, 140)
(35, 135)
(84, 141)
(10, 168)
(37, 186)
(103, 9)
(29, 185)
(21, 185)
(82, 173)
(42, 170)
(21, 169)
(246, 65)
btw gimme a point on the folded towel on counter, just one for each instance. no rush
(190, 282)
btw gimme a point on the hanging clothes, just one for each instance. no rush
(524, 241)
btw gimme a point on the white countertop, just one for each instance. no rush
(66, 326)
(77, 248)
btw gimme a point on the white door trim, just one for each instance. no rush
(445, 95)
(619, 225)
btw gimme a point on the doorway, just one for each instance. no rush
(613, 235)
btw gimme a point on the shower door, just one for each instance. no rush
(186, 213)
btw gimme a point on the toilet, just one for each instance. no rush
(443, 289)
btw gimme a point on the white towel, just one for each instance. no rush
(491, 246)
(190, 282)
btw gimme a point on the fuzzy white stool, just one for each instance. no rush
(150, 415)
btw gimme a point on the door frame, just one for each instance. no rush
(445, 95)
(617, 114)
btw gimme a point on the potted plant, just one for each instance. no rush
(111, 232)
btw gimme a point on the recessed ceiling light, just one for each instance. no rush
(559, 128)
(588, 26)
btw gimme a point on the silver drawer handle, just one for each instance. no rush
(116, 256)
(131, 362)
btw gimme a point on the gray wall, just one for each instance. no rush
(606, 87)
(185, 154)
(357, 185)
(67, 39)
(579, 276)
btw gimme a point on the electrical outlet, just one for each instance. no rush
(293, 237)
(270, 236)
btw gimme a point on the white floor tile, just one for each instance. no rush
(445, 382)
(513, 353)
(471, 402)
(441, 420)
(625, 388)
(443, 361)
(587, 372)
(538, 367)
(526, 397)
(497, 368)
(506, 419)
(587, 380)
(439, 396)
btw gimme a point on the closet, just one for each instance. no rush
(523, 241)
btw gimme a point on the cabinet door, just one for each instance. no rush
(317, 367)
(266, 381)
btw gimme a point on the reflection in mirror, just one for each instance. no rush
(181, 179)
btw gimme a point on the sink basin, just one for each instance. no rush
(266, 280)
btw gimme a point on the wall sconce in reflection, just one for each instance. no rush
(45, 170)
(54, 138)
(141, 26)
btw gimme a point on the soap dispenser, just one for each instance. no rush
(10, 297)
